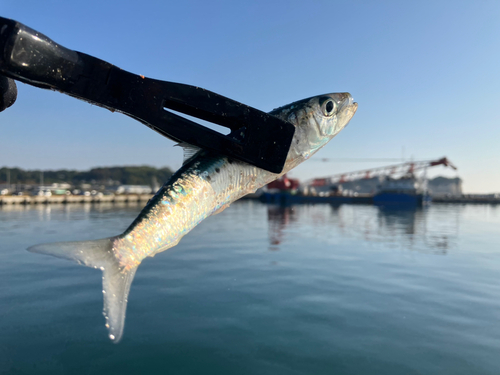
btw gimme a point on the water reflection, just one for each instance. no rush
(434, 230)
(430, 230)
(412, 227)
(279, 217)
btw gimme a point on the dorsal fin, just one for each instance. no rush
(189, 151)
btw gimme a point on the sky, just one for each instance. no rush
(425, 74)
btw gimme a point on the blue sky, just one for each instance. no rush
(425, 74)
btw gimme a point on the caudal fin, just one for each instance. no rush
(116, 280)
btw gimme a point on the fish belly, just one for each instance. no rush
(205, 186)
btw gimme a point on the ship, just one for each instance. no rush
(404, 191)
(394, 186)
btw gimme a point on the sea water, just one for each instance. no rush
(259, 289)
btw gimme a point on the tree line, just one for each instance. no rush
(127, 175)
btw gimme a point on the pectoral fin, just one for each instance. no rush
(221, 209)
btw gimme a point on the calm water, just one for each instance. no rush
(262, 290)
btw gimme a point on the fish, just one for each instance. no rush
(206, 184)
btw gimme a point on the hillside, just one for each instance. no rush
(127, 175)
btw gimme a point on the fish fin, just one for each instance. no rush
(116, 279)
(116, 284)
(221, 209)
(189, 151)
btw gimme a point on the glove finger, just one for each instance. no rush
(8, 92)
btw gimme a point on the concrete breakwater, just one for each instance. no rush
(71, 199)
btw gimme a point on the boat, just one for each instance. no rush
(406, 191)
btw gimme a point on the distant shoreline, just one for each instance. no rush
(74, 199)
(143, 198)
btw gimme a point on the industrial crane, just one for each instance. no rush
(390, 186)
(396, 170)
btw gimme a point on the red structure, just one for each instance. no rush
(284, 183)
(390, 170)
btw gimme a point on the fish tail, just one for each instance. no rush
(116, 279)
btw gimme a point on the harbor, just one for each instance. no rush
(395, 186)
(281, 198)
(400, 185)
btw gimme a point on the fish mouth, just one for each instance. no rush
(347, 108)
(347, 101)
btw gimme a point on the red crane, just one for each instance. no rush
(403, 169)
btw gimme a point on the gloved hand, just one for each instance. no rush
(8, 92)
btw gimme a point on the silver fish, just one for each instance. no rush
(205, 185)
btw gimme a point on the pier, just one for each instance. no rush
(74, 199)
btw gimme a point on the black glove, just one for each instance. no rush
(8, 92)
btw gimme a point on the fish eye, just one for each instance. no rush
(328, 107)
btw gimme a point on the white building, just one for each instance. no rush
(134, 189)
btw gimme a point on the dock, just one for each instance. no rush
(286, 199)
(466, 199)
(74, 199)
